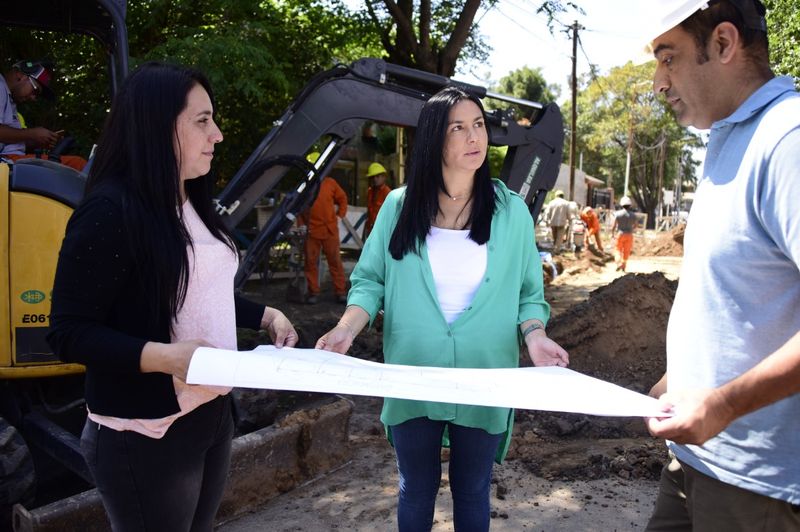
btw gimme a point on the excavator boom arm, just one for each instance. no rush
(336, 104)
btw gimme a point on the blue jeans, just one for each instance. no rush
(417, 444)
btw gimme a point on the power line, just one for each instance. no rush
(528, 30)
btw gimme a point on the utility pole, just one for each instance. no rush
(574, 121)
(662, 155)
(628, 153)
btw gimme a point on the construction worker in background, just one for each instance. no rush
(376, 194)
(625, 223)
(592, 222)
(557, 216)
(25, 81)
(323, 234)
(733, 338)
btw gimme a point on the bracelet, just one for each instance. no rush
(530, 328)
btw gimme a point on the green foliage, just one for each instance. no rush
(257, 54)
(784, 37)
(496, 156)
(620, 110)
(81, 83)
(386, 139)
(435, 35)
(526, 83)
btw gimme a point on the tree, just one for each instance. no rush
(619, 112)
(784, 37)
(257, 54)
(526, 83)
(529, 84)
(433, 35)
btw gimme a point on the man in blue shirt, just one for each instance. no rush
(733, 346)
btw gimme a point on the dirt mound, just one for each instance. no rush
(619, 333)
(589, 260)
(666, 244)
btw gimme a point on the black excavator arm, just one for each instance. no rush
(336, 103)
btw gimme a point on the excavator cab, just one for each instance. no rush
(37, 198)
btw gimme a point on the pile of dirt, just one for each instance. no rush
(569, 264)
(665, 244)
(618, 335)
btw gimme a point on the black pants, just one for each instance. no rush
(173, 484)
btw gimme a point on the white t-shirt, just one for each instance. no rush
(458, 265)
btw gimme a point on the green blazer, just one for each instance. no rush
(485, 335)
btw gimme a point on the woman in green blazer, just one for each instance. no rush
(453, 264)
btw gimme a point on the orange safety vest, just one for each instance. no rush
(321, 217)
(375, 198)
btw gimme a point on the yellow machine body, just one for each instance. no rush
(31, 230)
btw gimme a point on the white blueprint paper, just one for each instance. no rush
(312, 370)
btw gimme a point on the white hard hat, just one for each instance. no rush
(625, 202)
(670, 13)
(666, 14)
(660, 16)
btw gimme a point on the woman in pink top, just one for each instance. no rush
(144, 277)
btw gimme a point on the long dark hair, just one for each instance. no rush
(137, 151)
(425, 180)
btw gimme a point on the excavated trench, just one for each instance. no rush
(616, 334)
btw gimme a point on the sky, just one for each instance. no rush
(520, 37)
(614, 32)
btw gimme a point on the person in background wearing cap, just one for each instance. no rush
(733, 340)
(557, 216)
(625, 223)
(376, 194)
(323, 234)
(25, 82)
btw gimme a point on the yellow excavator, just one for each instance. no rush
(37, 197)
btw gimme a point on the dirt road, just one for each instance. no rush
(564, 473)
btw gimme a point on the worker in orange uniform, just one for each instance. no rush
(376, 194)
(323, 234)
(625, 223)
(592, 222)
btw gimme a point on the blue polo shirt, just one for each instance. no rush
(738, 299)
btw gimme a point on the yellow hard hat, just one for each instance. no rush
(375, 169)
(312, 157)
